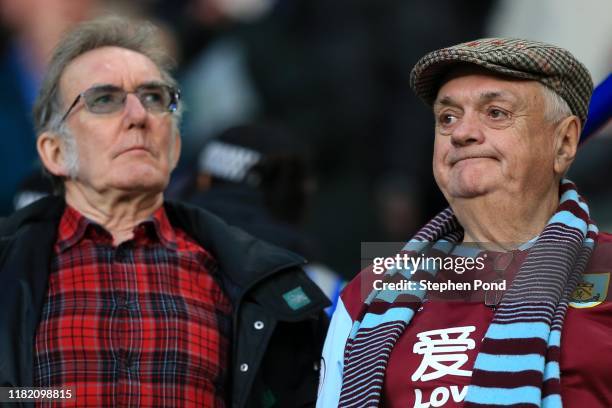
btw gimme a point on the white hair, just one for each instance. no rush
(71, 154)
(555, 107)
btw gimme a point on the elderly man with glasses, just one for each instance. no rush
(120, 297)
(506, 301)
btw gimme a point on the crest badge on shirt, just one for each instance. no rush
(591, 291)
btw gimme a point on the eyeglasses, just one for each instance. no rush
(155, 98)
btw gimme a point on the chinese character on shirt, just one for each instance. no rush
(444, 351)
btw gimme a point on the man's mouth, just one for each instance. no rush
(134, 149)
(473, 157)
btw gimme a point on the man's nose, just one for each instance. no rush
(467, 131)
(135, 113)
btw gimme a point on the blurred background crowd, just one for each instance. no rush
(300, 125)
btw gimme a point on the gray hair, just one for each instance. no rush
(108, 31)
(555, 107)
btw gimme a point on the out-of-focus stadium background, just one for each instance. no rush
(332, 74)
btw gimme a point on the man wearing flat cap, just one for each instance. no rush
(528, 324)
(125, 299)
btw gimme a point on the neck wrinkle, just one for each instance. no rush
(118, 212)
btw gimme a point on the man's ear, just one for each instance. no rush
(50, 150)
(567, 135)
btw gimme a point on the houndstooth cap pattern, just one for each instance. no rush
(553, 66)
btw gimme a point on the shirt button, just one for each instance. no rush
(123, 360)
(258, 325)
(132, 364)
(121, 301)
(244, 367)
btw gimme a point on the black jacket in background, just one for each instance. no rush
(276, 365)
(244, 207)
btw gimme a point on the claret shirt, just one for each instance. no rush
(431, 364)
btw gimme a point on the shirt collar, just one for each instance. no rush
(164, 229)
(74, 226)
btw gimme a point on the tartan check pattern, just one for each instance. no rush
(552, 66)
(141, 324)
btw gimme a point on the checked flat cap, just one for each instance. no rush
(553, 66)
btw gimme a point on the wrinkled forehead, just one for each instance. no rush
(483, 84)
(107, 66)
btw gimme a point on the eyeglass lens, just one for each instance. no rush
(109, 99)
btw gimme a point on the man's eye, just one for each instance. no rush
(103, 99)
(446, 119)
(153, 98)
(497, 114)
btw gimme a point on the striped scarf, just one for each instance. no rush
(518, 363)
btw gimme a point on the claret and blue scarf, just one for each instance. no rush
(518, 363)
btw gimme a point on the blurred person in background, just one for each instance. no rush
(508, 119)
(127, 298)
(258, 178)
(34, 27)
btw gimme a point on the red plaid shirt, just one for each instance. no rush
(140, 324)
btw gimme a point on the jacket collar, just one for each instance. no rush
(244, 259)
